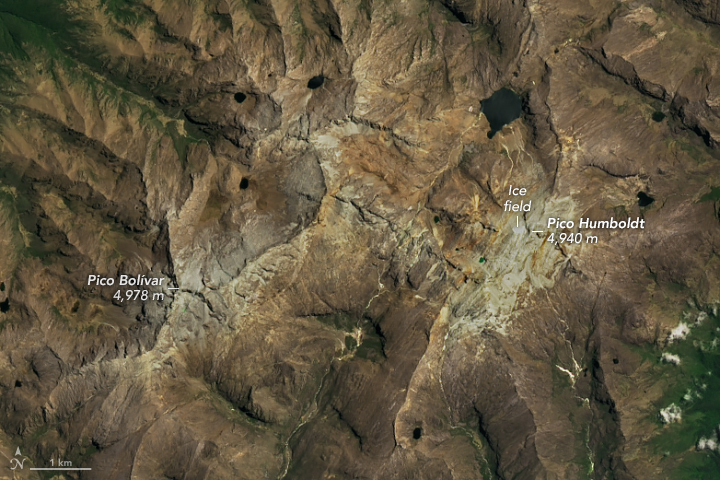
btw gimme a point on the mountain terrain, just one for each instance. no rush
(343, 294)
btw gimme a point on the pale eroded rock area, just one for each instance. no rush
(333, 318)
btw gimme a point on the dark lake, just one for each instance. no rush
(501, 108)
(644, 199)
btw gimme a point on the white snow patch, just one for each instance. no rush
(671, 414)
(670, 358)
(702, 316)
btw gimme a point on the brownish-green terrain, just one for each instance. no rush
(344, 294)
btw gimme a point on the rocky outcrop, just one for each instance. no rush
(705, 10)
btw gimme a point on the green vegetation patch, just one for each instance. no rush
(371, 347)
(712, 196)
(561, 384)
(692, 147)
(350, 342)
(11, 30)
(125, 12)
(694, 386)
(300, 32)
(214, 207)
(484, 456)
(40, 25)
(17, 223)
(181, 142)
(339, 321)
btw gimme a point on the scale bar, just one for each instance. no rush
(175, 288)
(64, 469)
(537, 231)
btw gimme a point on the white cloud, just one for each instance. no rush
(679, 332)
(670, 358)
(711, 443)
(706, 444)
(671, 414)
